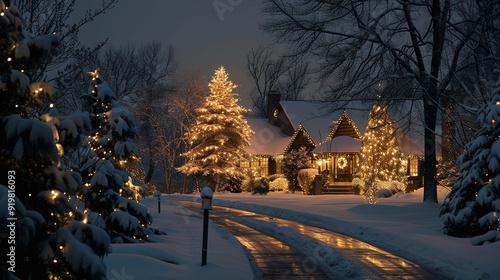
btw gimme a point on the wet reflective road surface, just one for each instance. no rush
(376, 263)
(274, 259)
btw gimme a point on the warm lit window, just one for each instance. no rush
(244, 164)
(413, 167)
(260, 165)
(263, 167)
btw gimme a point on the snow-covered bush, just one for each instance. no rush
(305, 177)
(357, 185)
(278, 184)
(255, 185)
(489, 237)
(247, 184)
(233, 183)
(393, 186)
(261, 186)
(377, 188)
(383, 193)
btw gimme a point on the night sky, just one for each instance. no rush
(203, 36)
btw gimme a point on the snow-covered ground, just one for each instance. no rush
(402, 225)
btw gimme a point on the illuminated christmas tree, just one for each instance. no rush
(473, 205)
(113, 127)
(110, 195)
(219, 135)
(47, 234)
(381, 163)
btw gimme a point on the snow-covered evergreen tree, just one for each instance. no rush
(472, 207)
(381, 163)
(293, 162)
(43, 234)
(219, 135)
(110, 194)
(113, 127)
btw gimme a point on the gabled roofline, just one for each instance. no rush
(294, 136)
(283, 109)
(345, 116)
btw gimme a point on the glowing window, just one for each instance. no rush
(413, 167)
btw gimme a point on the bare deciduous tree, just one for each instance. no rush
(357, 41)
(191, 91)
(171, 119)
(154, 67)
(58, 17)
(283, 74)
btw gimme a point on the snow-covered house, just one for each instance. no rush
(333, 138)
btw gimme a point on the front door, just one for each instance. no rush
(343, 168)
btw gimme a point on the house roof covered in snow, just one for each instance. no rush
(267, 139)
(324, 125)
(327, 129)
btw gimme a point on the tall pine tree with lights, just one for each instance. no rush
(381, 164)
(43, 234)
(472, 207)
(113, 127)
(219, 135)
(110, 194)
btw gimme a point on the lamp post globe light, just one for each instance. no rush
(206, 198)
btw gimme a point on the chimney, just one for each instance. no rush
(273, 99)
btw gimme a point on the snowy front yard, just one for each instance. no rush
(401, 224)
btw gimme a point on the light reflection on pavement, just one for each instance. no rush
(275, 259)
(378, 264)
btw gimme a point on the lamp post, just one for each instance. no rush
(158, 194)
(206, 204)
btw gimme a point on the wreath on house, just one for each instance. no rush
(342, 162)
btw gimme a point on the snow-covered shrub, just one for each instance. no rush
(247, 184)
(357, 185)
(255, 185)
(261, 186)
(489, 237)
(234, 183)
(305, 177)
(393, 186)
(278, 184)
(383, 193)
